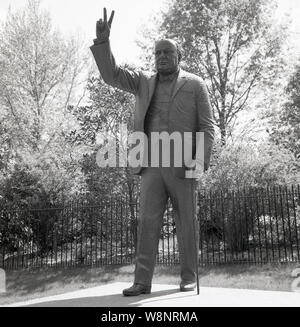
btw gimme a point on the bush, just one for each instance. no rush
(250, 165)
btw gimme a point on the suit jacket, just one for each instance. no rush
(190, 109)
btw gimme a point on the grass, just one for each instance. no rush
(24, 285)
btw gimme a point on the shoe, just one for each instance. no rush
(137, 289)
(187, 286)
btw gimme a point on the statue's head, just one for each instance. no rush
(167, 56)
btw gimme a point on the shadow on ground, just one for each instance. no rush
(115, 300)
(40, 280)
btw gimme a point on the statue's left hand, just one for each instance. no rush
(103, 26)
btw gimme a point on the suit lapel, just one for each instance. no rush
(181, 80)
(151, 88)
(152, 83)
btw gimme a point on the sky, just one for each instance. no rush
(80, 16)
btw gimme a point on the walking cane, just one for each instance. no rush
(194, 205)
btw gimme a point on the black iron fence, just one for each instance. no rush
(250, 226)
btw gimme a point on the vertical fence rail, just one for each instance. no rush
(295, 221)
(265, 232)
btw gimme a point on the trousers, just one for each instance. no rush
(157, 186)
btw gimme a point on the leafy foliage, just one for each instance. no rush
(231, 44)
(40, 74)
(286, 123)
(236, 166)
(109, 108)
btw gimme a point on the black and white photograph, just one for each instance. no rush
(149, 157)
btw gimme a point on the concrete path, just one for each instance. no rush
(166, 296)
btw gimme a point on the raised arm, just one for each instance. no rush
(111, 73)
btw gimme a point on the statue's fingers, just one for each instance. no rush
(111, 18)
(104, 15)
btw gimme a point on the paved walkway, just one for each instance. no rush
(166, 296)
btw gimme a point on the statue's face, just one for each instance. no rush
(166, 57)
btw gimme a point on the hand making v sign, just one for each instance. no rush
(103, 26)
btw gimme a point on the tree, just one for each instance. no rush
(243, 165)
(40, 74)
(109, 108)
(231, 44)
(286, 122)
